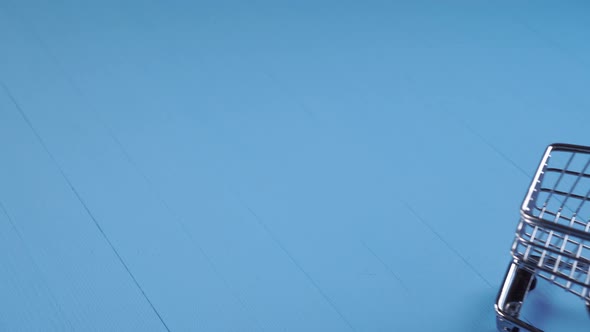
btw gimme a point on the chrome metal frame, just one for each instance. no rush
(553, 236)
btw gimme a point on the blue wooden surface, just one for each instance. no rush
(277, 166)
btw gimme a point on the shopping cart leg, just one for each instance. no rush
(517, 283)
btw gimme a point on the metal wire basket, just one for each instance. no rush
(553, 235)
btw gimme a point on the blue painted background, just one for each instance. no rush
(275, 165)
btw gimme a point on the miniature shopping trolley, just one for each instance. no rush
(553, 236)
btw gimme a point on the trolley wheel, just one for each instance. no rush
(534, 284)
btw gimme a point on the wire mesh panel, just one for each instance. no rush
(553, 236)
